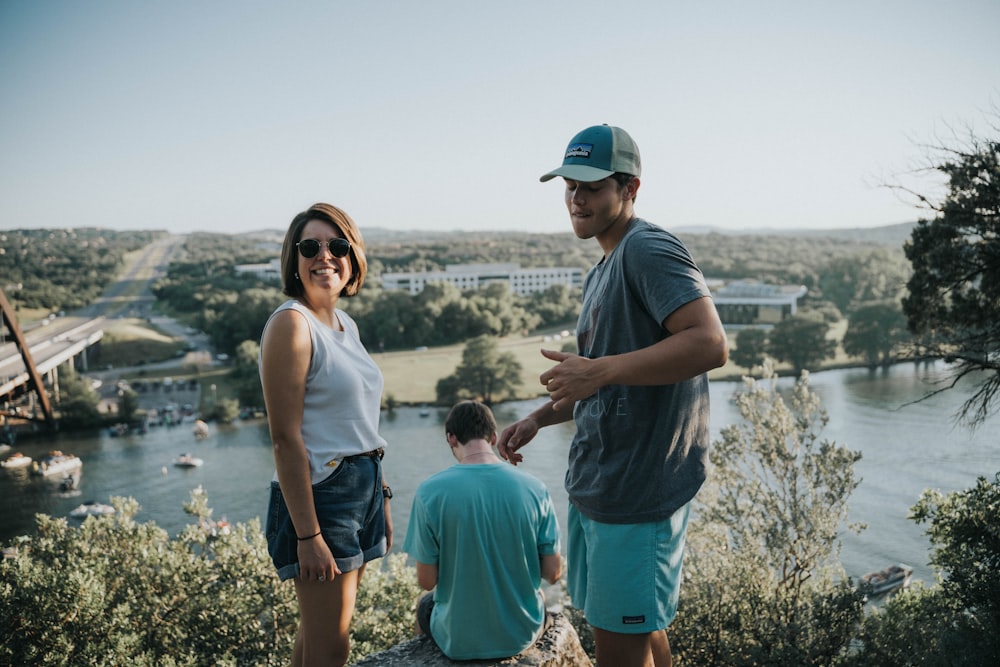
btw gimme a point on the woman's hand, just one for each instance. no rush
(316, 562)
(388, 526)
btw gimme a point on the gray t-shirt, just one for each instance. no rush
(640, 452)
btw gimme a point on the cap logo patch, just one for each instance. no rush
(579, 150)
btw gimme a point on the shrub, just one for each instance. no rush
(113, 591)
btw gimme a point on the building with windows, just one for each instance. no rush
(748, 303)
(270, 271)
(475, 276)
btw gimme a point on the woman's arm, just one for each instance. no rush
(286, 349)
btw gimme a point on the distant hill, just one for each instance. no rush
(889, 234)
(894, 235)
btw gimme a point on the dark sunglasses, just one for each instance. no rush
(309, 248)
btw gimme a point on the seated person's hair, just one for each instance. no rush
(470, 420)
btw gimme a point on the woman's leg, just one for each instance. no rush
(325, 612)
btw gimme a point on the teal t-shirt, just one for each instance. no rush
(485, 527)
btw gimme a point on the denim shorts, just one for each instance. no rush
(626, 578)
(351, 513)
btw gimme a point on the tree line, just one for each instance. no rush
(65, 268)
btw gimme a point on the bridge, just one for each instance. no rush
(29, 358)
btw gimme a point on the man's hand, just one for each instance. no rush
(570, 380)
(514, 437)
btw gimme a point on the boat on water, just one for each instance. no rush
(56, 463)
(200, 429)
(188, 461)
(17, 460)
(885, 581)
(91, 508)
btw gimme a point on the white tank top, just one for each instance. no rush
(343, 394)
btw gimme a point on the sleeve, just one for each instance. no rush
(420, 541)
(662, 274)
(548, 528)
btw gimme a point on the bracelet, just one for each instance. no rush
(303, 539)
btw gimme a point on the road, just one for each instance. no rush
(55, 340)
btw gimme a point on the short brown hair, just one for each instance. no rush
(470, 420)
(623, 180)
(291, 285)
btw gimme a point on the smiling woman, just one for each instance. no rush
(328, 513)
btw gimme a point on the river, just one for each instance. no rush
(907, 447)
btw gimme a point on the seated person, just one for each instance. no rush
(484, 534)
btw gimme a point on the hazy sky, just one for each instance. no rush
(232, 116)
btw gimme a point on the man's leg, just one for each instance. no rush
(646, 650)
(662, 657)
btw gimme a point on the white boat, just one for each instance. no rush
(200, 429)
(17, 460)
(884, 581)
(187, 461)
(56, 463)
(91, 508)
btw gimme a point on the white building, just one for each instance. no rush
(270, 271)
(750, 303)
(474, 276)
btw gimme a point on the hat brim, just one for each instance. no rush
(578, 172)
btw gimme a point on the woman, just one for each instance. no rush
(329, 508)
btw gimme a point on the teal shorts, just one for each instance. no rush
(626, 577)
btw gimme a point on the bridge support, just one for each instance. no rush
(34, 378)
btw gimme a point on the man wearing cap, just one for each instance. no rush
(637, 388)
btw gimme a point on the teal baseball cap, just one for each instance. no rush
(596, 153)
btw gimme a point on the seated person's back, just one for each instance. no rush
(485, 534)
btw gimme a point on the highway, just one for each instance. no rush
(56, 340)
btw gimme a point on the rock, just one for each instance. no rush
(558, 647)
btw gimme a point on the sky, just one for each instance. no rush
(232, 116)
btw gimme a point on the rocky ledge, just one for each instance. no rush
(558, 647)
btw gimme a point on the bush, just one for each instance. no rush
(763, 581)
(114, 592)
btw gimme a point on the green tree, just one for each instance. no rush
(956, 622)
(751, 348)
(485, 374)
(246, 375)
(953, 304)
(233, 317)
(874, 332)
(802, 341)
(128, 404)
(879, 274)
(226, 410)
(77, 406)
(555, 305)
(763, 581)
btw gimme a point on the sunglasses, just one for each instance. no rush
(309, 248)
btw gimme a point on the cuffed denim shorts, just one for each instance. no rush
(626, 577)
(351, 513)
